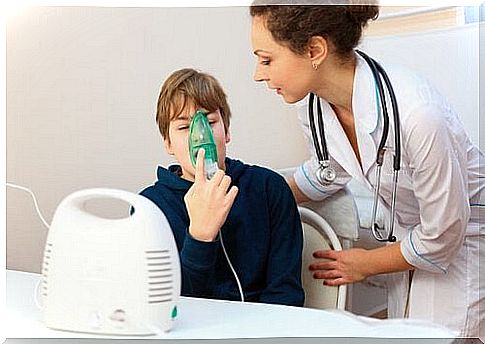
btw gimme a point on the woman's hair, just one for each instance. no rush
(294, 25)
(188, 86)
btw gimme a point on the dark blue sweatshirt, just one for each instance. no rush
(262, 236)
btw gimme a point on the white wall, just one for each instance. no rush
(82, 85)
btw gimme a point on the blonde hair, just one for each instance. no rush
(187, 86)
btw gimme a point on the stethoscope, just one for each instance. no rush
(326, 174)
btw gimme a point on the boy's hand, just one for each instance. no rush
(208, 202)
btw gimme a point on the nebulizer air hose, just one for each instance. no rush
(201, 136)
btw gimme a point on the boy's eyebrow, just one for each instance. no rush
(182, 118)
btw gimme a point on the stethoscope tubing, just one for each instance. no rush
(379, 72)
(395, 113)
(320, 145)
(385, 114)
(321, 149)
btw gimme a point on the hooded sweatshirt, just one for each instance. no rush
(262, 236)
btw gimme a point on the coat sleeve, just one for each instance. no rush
(283, 277)
(436, 148)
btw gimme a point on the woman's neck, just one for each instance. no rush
(335, 82)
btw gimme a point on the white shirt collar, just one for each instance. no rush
(364, 97)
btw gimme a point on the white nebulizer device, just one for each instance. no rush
(112, 276)
(109, 276)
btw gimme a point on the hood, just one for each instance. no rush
(170, 178)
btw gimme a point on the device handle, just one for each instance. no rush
(78, 198)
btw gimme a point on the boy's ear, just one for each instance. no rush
(168, 146)
(318, 49)
(228, 135)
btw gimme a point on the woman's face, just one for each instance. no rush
(282, 70)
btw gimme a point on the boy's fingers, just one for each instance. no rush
(199, 166)
(225, 183)
(216, 179)
(231, 195)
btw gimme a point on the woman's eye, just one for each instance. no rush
(265, 62)
(183, 127)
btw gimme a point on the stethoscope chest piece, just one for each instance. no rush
(326, 174)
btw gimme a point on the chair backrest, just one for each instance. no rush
(318, 235)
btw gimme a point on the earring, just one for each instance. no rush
(315, 65)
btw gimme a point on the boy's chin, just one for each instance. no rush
(188, 176)
(221, 163)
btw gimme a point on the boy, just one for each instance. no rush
(247, 211)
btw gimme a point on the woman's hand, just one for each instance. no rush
(208, 202)
(341, 267)
(356, 264)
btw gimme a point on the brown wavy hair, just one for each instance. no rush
(190, 86)
(294, 25)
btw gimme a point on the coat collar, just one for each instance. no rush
(366, 113)
(364, 98)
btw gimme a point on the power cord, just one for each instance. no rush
(37, 286)
(15, 186)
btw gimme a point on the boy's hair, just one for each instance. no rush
(187, 86)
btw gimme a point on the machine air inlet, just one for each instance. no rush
(160, 276)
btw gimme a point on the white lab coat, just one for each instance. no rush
(442, 174)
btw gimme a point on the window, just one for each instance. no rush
(402, 19)
(475, 14)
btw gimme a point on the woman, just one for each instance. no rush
(433, 266)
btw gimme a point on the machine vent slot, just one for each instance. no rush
(160, 276)
(45, 268)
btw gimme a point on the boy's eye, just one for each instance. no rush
(183, 127)
(265, 62)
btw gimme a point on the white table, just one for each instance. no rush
(215, 319)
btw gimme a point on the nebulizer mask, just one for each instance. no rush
(201, 136)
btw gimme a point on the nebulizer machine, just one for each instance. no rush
(108, 276)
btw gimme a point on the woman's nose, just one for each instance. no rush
(258, 75)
